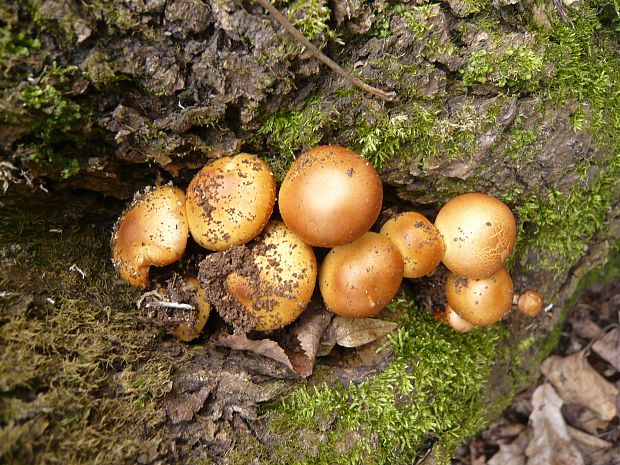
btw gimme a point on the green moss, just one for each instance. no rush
(517, 68)
(57, 115)
(15, 43)
(557, 225)
(312, 17)
(289, 132)
(429, 394)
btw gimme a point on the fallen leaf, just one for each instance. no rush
(512, 453)
(608, 347)
(578, 383)
(550, 443)
(582, 418)
(355, 332)
(308, 331)
(596, 450)
(264, 347)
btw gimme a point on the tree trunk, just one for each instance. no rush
(517, 99)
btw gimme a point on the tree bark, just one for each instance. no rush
(100, 99)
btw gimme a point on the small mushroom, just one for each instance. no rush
(151, 231)
(452, 319)
(198, 299)
(480, 301)
(479, 232)
(330, 196)
(419, 242)
(229, 201)
(262, 286)
(361, 278)
(530, 303)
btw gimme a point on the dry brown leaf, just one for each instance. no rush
(355, 332)
(583, 418)
(578, 383)
(550, 443)
(608, 347)
(595, 450)
(264, 347)
(513, 453)
(308, 330)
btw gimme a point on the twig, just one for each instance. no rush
(299, 37)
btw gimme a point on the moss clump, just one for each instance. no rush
(290, 132)
(556, 225)
(15, 44)
(80, 380)
(312, 17)
(429, 394)
(517, 68)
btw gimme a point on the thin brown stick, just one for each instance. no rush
(313, 49)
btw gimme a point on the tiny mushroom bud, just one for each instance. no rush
(361, 278)
(197, 298)
(479, 232)
(417, 240)
(152, 231)
(229, 201)
(530, 303)
(452, 319)
(330, 196)
(480, 301)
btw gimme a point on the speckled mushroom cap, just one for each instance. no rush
(330, 196)
(287, 276)
(479, 232)
(229, 201)
(480, 301)
(152, 231)
(418, 241)
(361, 278)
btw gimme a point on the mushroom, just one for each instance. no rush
(330, 196)
(151, 231)
(361, 278)
(419, 242)
(229, 201)
(530, 303)
(452, 319)
(198, 299)
(479, 232)
(262, 286)
(480, 301)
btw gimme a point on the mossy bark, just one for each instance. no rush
(98, 99)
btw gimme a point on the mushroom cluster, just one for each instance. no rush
(260, 273)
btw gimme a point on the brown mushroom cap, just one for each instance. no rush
(452, 319)
(229, 201)
(418, 241)
(330, 196)
(287, 276)
(152, 231)
(530, 303)
(185, 331)
(361, 278)
(479, 232)
(480, 301)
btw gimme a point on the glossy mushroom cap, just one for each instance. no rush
(418, 241)
(152, 231)
(451, 318)
(480, 301)
(530, 303)
(188, 332)
(361, 278)
(330, 196)
(229, 201)
(479, 232)
(287, 276)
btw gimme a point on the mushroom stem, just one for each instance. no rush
(299, 37)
